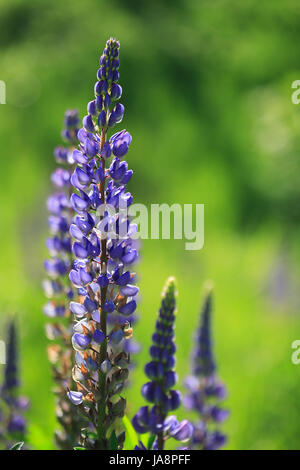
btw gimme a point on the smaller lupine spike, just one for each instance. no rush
(13, 422)
(161, 371)
(204, 388)
(58, 287)
(203, 358)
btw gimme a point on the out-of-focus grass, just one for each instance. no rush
(207, 95)
(253, 343)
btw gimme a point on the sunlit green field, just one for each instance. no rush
(207, 95)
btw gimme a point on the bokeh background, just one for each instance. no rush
(207, 90)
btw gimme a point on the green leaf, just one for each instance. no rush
(17, 446)
(150, 441)
(131, 439)
(78, 448)
(113, 441)
(144, 438)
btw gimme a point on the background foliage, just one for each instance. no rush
(207, 89)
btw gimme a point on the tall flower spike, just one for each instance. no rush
(13, 405)
(203, 358)
(104, 253)
(204, 388)
(161, 371)
(58, 287)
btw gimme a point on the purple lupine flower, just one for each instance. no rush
(160, 370)
(204, 388)
(12, 418)
(104, 254)
(58, 288)
(130, 346)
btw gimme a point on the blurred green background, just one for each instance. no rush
(207, 91)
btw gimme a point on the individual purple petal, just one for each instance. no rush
(88, 123)
(78, 309)
(75, 232)
(75, 397)
(75, 278)
(99, 175)
(109, 306)
(128, 308)
(102, 280)
(61, 154)
(116, 337)
(80, 251)
(106, 150)
(218, 414)
(121, 144)
(102, 119)
(85, 277)
(183, 431)
(90, 304)
(116, 91)
(91, 147)
(60, 177)
(129, 290)
(91, 107)
(80, 341)
(98, 336)
(79, 204)
(16, 424)
(123, 279)
(141, 429)
(148, 391)
(85, 223)
(175, 400)
(79, 157)
(129, 257)
(170, 379)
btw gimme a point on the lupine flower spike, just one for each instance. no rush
(161, 371)
(104, 252)
(13, 423)
(204, 388)
(58, 287)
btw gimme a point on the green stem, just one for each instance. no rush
(103, 326)
(160, 441)
(160, 435)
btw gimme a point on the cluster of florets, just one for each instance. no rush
(205, 390)
(103, 248)
(12, 420)
(160, 370)
(92, 286)
(58, 287)
(203, 394)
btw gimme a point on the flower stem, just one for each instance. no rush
(160, 441)
(103, 323)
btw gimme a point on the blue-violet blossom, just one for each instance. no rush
(13, 422)
(104, 252)
(161, 371)
(204, 388)
(58, 287)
